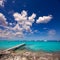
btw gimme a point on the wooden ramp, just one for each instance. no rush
(16, 47)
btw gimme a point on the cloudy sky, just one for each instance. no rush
(30, 19)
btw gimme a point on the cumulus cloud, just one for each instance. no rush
(20, 17)
(24, 21)
(23, 25)
(4, 33)
(17, 28)
(9, 33)
(44, 19)
(2, 20)
(28, 23)
(19, 34)
(31, 18)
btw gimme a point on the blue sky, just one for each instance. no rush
(30, 19)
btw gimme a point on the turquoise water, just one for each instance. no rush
(33, 45)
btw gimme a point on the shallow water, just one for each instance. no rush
(32, 45)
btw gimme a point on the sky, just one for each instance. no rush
(30, 19)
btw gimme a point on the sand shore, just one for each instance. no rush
(29, 55)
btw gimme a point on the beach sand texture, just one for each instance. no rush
(29, 55)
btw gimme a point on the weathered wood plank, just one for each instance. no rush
(16, 47)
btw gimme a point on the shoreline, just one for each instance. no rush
(30, 55)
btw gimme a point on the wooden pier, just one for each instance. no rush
(7, 51)
(16, 47)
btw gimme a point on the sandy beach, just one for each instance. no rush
(30, 55)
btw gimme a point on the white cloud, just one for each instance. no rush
(23, 25)
(2, 3)
(20, 17)
(4, 33)
(31, 18)
(3, 20)
(17, 28)
(19, 34)
(23, 21)
(8, 33)
(26, 28)
(24, 13)
(28, 23)
(44, 19)
(52, 32)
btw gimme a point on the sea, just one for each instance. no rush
(48, 46)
